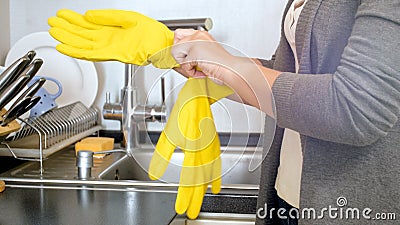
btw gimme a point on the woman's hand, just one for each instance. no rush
(200, 55)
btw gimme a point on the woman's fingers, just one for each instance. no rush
(71, 39)
(182, 33)
(58, 22)
(180, 51)
(200, 55)
(187, 39)
(77, 19)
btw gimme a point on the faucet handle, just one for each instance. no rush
(112, 111)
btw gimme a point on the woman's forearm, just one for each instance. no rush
(252, 84)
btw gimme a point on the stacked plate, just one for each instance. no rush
(77, 77)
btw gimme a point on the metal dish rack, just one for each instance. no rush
(44, 135)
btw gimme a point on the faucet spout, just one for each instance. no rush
(130, 129)
(133, 113)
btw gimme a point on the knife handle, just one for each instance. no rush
(30, 92)
(11, 73)
(12, 90)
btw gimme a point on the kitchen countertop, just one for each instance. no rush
(74, 206)
(36, 204)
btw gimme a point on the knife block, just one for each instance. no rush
(10, 127)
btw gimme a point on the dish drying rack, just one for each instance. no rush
(39, 137)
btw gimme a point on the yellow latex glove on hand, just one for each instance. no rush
(104, 35)
(191, 128)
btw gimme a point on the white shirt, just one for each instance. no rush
(288, 179)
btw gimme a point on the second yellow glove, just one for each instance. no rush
(191, 128)
(103, 35)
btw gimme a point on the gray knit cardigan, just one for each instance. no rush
(345, 103)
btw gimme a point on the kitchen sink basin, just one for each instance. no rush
(118, 172)
(235, 167)
(119, 169)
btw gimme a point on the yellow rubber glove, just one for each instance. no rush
(191, 128)
(104, 35)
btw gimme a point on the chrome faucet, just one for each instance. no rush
(129, 111)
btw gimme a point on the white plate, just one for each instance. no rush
(78, 77)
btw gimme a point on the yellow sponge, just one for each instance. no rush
(2, 186)
(95, 144)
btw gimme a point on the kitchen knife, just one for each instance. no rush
(31, 54)
(19, 109)
(33, 68)
(12, 72)
(31, 91)
(12, 90)
(33, 102)
(15, 69)
(13, 111)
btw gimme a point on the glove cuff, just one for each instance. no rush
(163, 59)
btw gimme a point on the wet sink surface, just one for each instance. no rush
(235, 167)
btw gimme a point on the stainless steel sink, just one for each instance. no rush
(235, 167)
(118, 172)
(121, 171)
